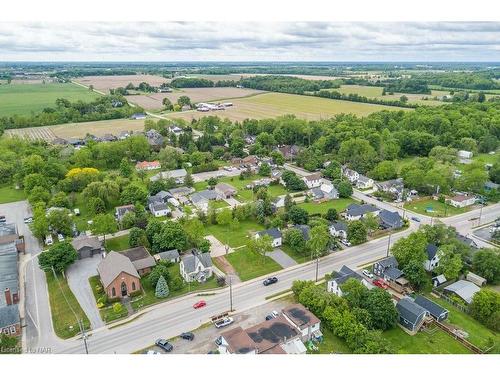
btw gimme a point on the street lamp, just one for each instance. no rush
(230, 292)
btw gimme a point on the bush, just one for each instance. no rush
(117, 308)
(176, 283)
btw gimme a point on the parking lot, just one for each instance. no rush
(204, 337)
(485, 233)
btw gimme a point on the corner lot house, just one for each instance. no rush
(463, 289)
(411, 315)
(312, 180)
(87, 246)
(364, 182)
(358, 211)
(334, 285)
(275, 235)
(225, 191)
(118, 275)
(196, 267)
(461, 201)
(390, 219)
(432, 260)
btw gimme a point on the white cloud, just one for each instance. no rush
(177, 41)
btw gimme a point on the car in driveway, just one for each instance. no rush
(380, 283)
(164, 344)
(368, 274)
(199, 304)
(187, 336)
(345, 243)
(270, 281)
(28, 220)
(224, 322)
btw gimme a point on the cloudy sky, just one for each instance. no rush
(249, 41)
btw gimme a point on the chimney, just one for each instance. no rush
(8, 297)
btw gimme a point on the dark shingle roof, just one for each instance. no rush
(304, 229)
(431, 251)
(409, 310)
(345, 274)
(393, 273)
(339, 225)
(390, 217)
(168, 255)
(272, 232)
(358, 210)
(388, 262)
(433, 308)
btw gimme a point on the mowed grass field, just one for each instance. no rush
(270, 105)
(77, 130)
(22, 99)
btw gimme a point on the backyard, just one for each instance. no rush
(117, 243)
(249, 264)
(322, 208)
(234, 237)
(62, 305)
(431, 207)
(9, 194)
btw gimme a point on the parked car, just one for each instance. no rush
(187, 336)
(270, 280)
(272, 315)
(60, 237)
(218, 340)
(380, 283)
(164, 344)
(414, 218)
(48, 240)
(3, 219)
(223, 322)
(345, 242)
(28, 220)
(199, 304)
(368, 274)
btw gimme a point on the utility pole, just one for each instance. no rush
(317, 267)
(480, 214)
(389, 244)
(230, 292)
(84, 335)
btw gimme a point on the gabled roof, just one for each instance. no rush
(300, 316)
(225, 188)
(191, 261)
(183, 190)
(390, 217)
(112, 265)
(360, 209)
(85, 241)
(393, 273)
(238, 341)
(345, 274)
(409, 310)
(168, 255)
(431, 251)
(313, 177)
(339, 225)
(203, 195)
(159, 206)
(432, 307)
(363, 178)
(467, 241)
(388, 262)
(272, 232)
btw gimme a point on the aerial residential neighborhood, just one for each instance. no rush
(293, 189)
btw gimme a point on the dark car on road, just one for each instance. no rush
(187, 336)
(414, 218)
(270, 280)
(164, 344)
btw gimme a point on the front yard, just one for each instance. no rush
(62, 304)
(322, 208)
(249, 264)
(298, 257)
(431, 207)
(106, 310)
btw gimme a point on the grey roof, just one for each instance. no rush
(363, 178)
(360, 209)
(225, 188)
(122, 210)
(158, 206)
(393, 273)
(432, 307)
(491, 185)
(139, 257)
(183, 190)
(163, 195)
(388, 262)
(85, 241)
(9, 277)
(339, 225)
(203, 195)
(409, 310)
(175, 173)
(345, 274)
(9, 315)
(7, 229)
(304, 229)
(397, 183)
(391, 218)
(431, 251)
(112, 265)
(467, 241)
(317, 193)
(192, 260)
(272, 232)
(464, 289)
(168, 255)
(154, 199)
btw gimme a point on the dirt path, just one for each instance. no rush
(222, 264)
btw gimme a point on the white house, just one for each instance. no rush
(312, 180)
(159, 209)
(432, 260)
(462, 154)
(364, 182)
(305, 321)
(351, 175)
(177, 174)
(461, 201)
(196, 267)
(275, 235)
(338, 229)
(358, 211)
(334, 285)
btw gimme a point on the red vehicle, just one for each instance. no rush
(199, 304)
(380, 283)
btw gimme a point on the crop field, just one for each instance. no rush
(104, 83)
(303, 76)
(217, 77)
(270, 105)
(77, 130)
(204, 94)
(26, 98)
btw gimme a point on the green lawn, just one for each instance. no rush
(107, 313)
(332, 344)
(85, 215)
(438, 209)
(148, 297)
(117, 243)
(322, 208)
(299, 258)
(22, 99)
(234, 238)
(249, 264)
(64, 321)
(478, 334)
(437, 342)
(486, 158)
(9, 194)
(219, 204)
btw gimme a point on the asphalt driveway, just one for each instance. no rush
(282, 258)
(78, 280)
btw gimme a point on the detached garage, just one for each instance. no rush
(87, 247)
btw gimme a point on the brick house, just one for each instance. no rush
(118, 275)
(10, 322)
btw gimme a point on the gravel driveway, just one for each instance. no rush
(78, 280)
(282, 258)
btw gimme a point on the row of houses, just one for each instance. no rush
(388, 219)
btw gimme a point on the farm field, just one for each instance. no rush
(19, 99)
(104, 83)
(203, 94)
(77, 130)
(303, 76)
(270, 105)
